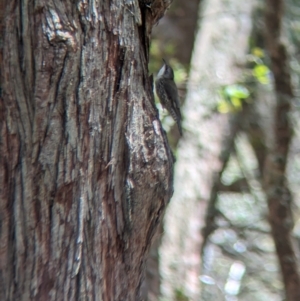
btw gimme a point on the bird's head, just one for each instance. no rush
(165, 71)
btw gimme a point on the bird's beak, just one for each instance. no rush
(164, 61)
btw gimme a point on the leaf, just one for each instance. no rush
(258, 52)
(261, 73)
(224, 107)
(236, 102)
(237, 91)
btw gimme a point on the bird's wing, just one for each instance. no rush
(171, 90)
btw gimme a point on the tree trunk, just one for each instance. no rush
(277, 190)
(201, 151)
(85, 167)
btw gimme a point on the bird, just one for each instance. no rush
(167, 93)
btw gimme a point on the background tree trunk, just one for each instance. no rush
(85, 168)
(276, 187)
(204, 147)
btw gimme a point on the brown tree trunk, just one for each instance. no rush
(85, 168)
(277, 190)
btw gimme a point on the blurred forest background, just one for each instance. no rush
(232, 229)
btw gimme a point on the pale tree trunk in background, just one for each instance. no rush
(85, 168)
(220, 46)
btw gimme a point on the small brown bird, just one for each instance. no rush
(167, 93)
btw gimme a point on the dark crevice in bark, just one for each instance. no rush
(119, 64)
(143, 35)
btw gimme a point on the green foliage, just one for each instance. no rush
(233, 96)
(261, 73)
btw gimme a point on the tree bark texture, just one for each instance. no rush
(277, 190)
(221, 43)
(85, 168)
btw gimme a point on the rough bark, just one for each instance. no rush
(220, 44)
(278, 193)
(85, 168)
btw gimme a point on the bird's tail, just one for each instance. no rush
(179, 126)
(178, 121)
